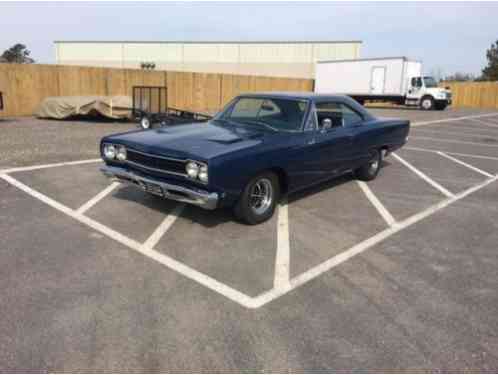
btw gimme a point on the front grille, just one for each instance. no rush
(156, 162)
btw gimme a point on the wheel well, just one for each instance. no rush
(385, 149)
(282, 179)
(427, 96)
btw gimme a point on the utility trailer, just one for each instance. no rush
(150, 108)
(397, 80)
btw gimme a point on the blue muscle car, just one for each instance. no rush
(259, 147)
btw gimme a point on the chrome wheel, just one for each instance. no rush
(261, 196)
(374, 165)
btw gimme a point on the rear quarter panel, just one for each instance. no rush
(381, 133)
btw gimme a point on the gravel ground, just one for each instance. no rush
(28, 141)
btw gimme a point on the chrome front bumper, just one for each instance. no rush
(178, 193)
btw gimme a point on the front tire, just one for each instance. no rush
(427, 103)
(258, 200)
(370, 170)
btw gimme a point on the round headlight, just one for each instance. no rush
(192, 169)
(121, 154)
(203, 173)
(109, 151)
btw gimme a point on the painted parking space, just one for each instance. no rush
(401, 191)
(314, 232)
(73, 185)
(235, 254)
(328, 219)
(447, 173)
(128, 210)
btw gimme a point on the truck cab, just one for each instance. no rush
(424, 92)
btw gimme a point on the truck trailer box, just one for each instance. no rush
(388, 79)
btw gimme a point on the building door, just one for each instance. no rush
(377, 80)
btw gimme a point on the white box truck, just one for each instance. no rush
(388, 79)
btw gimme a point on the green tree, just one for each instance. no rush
(490, 73)
(17, 54)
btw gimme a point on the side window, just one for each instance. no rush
(350, 116)
(416, 82)
(269, 109)
(336, 115)
(246, 108)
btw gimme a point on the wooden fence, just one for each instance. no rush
(25, 86)
(474, 94)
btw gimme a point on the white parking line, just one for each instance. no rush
(455, 133)
(171, 263)
(381, 209)
(43, 166)
(163, 227)
(424, 176)
(450, 153)
(453, 141)
(225, 290)
(282, 258)
(454, 119)
(465, 164)
(462, 129)
(485, 123)
(92, 202)
(311, 274)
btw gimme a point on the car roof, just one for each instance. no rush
(294, 95)
(315, 97)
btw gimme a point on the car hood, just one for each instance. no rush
(198, 140)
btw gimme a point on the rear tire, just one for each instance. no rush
(258, 200)
(370, 170)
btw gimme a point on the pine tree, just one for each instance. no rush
(490, 73)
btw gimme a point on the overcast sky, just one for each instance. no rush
(447, 36)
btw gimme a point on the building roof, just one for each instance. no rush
(212, 41)
(404, 58)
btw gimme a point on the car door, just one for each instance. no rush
(414, 88)
(333, 138)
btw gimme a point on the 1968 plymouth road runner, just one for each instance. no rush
(259, 147)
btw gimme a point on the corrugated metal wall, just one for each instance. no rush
(268, 59)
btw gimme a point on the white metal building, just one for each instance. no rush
(277, 58)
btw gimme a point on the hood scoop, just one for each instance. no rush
(225, 139)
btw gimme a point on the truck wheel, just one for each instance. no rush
(370, 170)
(427, 103)
(145, 123)
(258, 200)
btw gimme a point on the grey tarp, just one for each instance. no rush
(61, 107)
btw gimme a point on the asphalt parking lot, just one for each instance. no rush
(398, 274)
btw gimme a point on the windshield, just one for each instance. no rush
(275, 114)
(430, 82)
